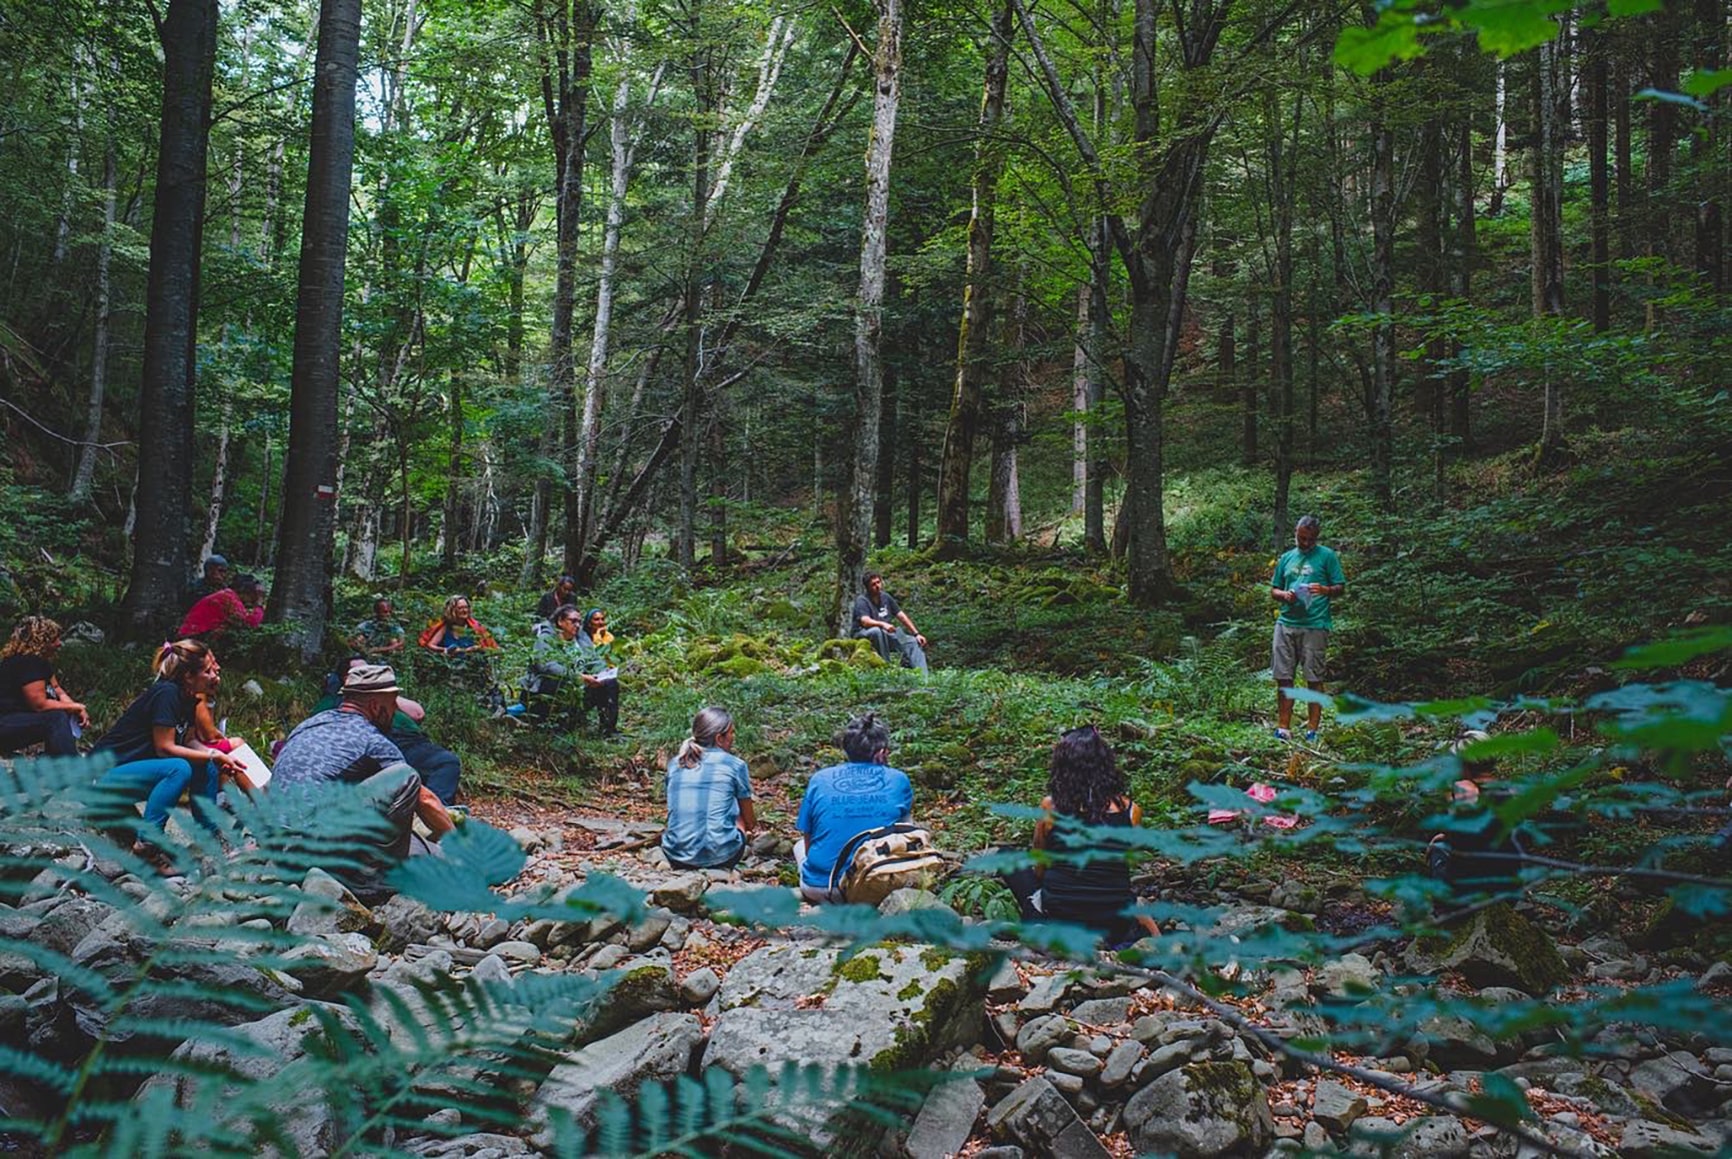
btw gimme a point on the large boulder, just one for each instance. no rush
(1200, 1111)
(329, 966)
(258, 1083)
(329, 909)
(1497, 947)
(658, 1049)
(946, 1118)
(887, 1008)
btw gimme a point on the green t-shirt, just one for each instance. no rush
(1320, 565)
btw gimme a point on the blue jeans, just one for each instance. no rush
(53, 730)
(161, 781)
(892, 644)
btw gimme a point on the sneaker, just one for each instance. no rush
(1283, 734)
(1310, 736)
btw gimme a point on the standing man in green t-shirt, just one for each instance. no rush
(1305, 578)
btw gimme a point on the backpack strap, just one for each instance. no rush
(850, 847)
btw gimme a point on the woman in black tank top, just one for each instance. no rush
(1084, 788)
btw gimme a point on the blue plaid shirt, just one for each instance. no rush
(704, 808)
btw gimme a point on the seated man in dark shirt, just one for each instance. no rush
(214, 580)
(349, 744)
(564, 592)
(876, 614)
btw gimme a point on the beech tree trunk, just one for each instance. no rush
(854, 511)
(86, 470)
(160, 563)
(1599, 182)
(1546, 230)
(1079, 403)
(956, 461)
(309, 503)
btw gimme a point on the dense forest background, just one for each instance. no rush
(577, 282)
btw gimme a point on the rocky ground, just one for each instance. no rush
(1052, 1060)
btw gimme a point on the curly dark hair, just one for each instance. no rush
(1084, 779)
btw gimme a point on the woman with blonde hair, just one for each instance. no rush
(710, 813)
(456, 630)
(153, 754)
(33, 707)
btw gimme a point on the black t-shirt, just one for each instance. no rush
(15, 673)
(886, 609)
(1092, 894)
(133, 737)
(550, 603)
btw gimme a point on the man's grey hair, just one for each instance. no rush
(1310, 521)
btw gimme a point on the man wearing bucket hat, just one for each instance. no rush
(349, 744)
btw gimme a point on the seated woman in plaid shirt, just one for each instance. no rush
(710, 812)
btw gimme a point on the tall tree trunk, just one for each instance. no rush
(218, 486)
(1079, 404)
(1467, 252)
(1382, 398)
(622, 145)
(1500, 178)
(914, 438)
(1707, 153)
(704, 90)
(451, 517)
(1629, 208)
(566, 31)
(160, 564)
(1666, 27)
(1004, 491)
(1599, 182)
(883, 488)
(86, 471)
(956, 461)
(854, 512)
(308, 522)
(1281, 197)
(1248, 373)
(1433, 284)
(69, 196)
(1546, 231)
(1100, 318)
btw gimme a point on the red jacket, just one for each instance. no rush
(218, 612)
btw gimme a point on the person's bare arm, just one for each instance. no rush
(162, 736)
(411, 709)
(396, 645)
(36, 696)
(432, 812)
(748, 818)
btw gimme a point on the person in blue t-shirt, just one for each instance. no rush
(710, 814)
(846, 800)
(1305, 578)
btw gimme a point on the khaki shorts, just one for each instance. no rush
(1299, 649)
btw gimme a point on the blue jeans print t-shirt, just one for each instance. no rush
(844, 800)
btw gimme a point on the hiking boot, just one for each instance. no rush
(1283, 734)
(1310, 736)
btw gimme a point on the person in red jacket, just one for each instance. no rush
(241, 604)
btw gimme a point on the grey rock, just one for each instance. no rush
(1316, 1138)
(1297, 896)
(1102, 1011)
(1069, 1085)
(492, 932)
(700, 986)
(1006, 1152)
(684, 894)
(1676, 1081)
(642, 987)
(1497, 947)
(329, 966)
(1335, 1106)
(1165, 1059)
(1717, 975)
(1040, 1035)
(902, 901)
(1349, 976)
(1603, 1093)
(946, 1119)
(67, 923)
(1455, 1042)
(1203, 1109)
(1006, 984)
(1077, 1062)
(479, 1146)
(1036, 1116)
(1437, 1135)
(329, 909)
(404, 921)
(281, 1039)
(607, 957)
(522, 953)
(889, 1007)
(1046, 995)
(657, 1049)
(1121, 1062)
(1644, 1139)
(492, 969)
(648, 932)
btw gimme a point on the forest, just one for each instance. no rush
(1079, 322)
